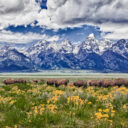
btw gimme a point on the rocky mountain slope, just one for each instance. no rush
(12, 60)
(91, 54)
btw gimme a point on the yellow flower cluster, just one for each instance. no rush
(58, 92)
(122, 90)
(52, 108)
(99, 115)
(34, 91)
(50, 88)
(53, 99)
(36, 110)
(104, 114)
(109, 97)
(16, 90)
(104, 98)
(39, 109)
(75, 99)
(5, 100)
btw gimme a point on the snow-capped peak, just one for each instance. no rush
(91, 40)
(105, 45)
(40, 43)
(90, 44)
(91, 36)
(66, 46)
(53, 45)
(43, 46)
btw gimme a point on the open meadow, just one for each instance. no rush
(28, 103)
(72, 75)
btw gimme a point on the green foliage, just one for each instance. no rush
(42, 106)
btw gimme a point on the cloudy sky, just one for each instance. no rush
(24, 21)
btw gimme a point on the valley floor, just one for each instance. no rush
(70, 74)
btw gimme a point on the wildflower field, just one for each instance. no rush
(41, 106)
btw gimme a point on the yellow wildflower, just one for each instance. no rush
(100, 110)
(58, 92)
(113, 111)
(106, 110)
(53, 99)
(105, 115)
(124, 106)
(76, 100)
(89, 102)
(98, 115)
(12, 102)
(52, 107)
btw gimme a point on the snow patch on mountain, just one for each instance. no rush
(121, 47)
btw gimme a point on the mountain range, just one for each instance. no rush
(91, 54)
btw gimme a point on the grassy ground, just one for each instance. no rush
(42, 106)
(72, 75)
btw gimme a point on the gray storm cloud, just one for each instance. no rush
(110, 15)
(11, 6)
(95, 11)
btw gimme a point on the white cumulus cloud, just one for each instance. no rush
(11, 37)
(18, 12)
